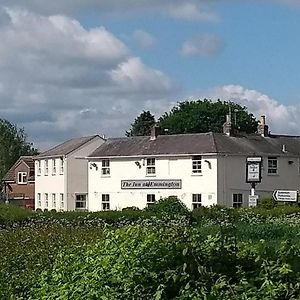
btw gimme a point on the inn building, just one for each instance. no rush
(200, 169)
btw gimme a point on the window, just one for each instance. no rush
(46, 200)
(196, 165)
(105, 202)
(272, 165)
(22, 177)
(53, 166)
(196, 201)
(80, 201)
(46, 167)
(105, 170)
(62, 204)
(150, 199)
(61, 165)
(39, 169)
(39, 201)
(237, 200)
(53, 200)
(150, 169)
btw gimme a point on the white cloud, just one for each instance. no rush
(202, 45)
(183, 9)
(192, 12)
(145, 39)
(58, 79)
(281, 119)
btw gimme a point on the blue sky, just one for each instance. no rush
(74, 68)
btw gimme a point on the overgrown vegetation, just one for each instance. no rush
(163, 252)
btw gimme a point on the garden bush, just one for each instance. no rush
(170, 206)
(172, 262)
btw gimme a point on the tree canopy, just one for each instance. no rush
(142, 124)
(196, 117)
(13, 144)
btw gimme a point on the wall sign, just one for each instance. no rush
(151, 184)
(253, 169)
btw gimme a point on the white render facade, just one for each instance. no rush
(214, 172)
(61, 175)
(118, 188)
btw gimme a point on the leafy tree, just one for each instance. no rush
(142, 124)
(205, 116)
(13, 144)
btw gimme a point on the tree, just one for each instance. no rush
(142, 124)
(205, 116)
(13, 144)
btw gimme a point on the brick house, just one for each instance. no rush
(19, 183)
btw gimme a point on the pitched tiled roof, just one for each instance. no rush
(66, 147)
(10, 175)
(200, 143)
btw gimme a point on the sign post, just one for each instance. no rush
(253, 176)
(285, 196)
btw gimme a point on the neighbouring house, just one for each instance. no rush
(61, 174)
(201, 169)
(19, 183)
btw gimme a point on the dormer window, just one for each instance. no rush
(22, 177)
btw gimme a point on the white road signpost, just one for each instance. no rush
(285, 196)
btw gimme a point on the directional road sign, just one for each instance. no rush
(283, 195)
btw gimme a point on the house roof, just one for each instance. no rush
(200, 143)
(28, 160)
(67, 147)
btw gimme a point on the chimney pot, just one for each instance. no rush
(154, 132)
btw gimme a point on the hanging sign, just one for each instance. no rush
(253, 169)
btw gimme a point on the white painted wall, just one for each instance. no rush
(73, 180)
(49, 184)
(166, 168)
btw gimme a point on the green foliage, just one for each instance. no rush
(13, 144)
(172, 262)
(170, 206)
(267, 203)
(142, 124)
(10, 214)
(205, 116)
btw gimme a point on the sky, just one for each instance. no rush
(72, 68)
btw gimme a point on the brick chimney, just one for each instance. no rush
(227, 126)
(154, 132)
(262, 128)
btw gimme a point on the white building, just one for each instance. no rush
(61, 174)
(201, 169)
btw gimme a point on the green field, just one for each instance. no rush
(165, 252)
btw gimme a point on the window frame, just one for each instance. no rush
(77, 201)
(271, 160)
(105, 167)
(23, 176)
(150, 166)
(46, 167)
(53, 166)
(196, 201)
(61, 199)
(46, 195)
(105, 202)
(39, 199)
(197, 165)
(61, 165)
(151, 199)
(39, 168)
(235, 202)
(53, 200)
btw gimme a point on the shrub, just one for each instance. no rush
(267, 203)
(170, 207)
